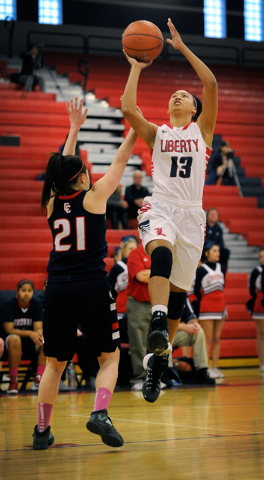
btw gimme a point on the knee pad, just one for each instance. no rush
(161, 262)
(176, 305)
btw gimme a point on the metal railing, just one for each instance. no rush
(92, 44)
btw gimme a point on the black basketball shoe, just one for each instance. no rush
(158, 340)
(100, 424)
(42, 440)
(155, 366)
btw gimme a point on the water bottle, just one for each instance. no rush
(72, 383)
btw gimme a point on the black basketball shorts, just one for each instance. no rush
(87, 303)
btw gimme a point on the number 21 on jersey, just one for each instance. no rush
(65, 226)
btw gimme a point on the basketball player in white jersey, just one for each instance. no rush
(172, 221)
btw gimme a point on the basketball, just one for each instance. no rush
(143, 41)
(183, 366)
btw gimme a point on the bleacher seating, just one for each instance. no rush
(42, 125)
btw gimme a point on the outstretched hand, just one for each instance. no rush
(77, 117)
(134, 61)
(175, 41)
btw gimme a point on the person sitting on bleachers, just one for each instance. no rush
(21, 317)
(135, 193)
(117, 210)
(29, 75)
(220, 166)
(214, 234)
(190, 333)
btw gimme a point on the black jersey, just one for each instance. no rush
(23, 318)
(79, 245)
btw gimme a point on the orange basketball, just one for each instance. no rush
(181, 365)
(142, 40)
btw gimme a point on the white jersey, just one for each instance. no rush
(179, 161)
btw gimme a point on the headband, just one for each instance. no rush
(22, 282)
(76, 173)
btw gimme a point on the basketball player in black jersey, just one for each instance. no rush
(78, 292)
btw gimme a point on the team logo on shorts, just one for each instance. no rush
(144, 227)
(159, 231)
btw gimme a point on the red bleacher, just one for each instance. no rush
(41, 124)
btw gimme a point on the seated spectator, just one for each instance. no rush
(118, 279)
(190, 333)
(135, 193)
(29, 75)
(221, 166)
(21, 318)
(117, 210)
(214, 234)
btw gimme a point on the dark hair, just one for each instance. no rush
(23, 281)
(61, 175)
(208, 245)
(210, 210)
(199, 108)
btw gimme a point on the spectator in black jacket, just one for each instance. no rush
(214, 235)
(29, 75)
(220, 166)
(135, 194)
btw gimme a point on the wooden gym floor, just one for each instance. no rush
(204, 433)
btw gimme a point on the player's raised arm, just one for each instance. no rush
(77, 118)
(208, 116)
(144, 129)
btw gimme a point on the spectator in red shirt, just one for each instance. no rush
(138, 312)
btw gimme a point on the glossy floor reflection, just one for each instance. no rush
(189, 433)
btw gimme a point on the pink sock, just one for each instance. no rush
(102, 399)
(44, 414)
(40, 369)
(13, 371)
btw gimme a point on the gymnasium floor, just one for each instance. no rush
(189, 433)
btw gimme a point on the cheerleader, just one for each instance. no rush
(208, 289)
(255, 305)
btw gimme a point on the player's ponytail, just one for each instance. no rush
(61, 175)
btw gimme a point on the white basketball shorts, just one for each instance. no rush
(183, 227)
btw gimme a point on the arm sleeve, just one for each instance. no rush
(200, 273)
(252, 282)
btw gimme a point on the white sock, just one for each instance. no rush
(160, 308)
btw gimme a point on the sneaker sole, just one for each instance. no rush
(157, 342)
(107, 439)
(11, 391)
